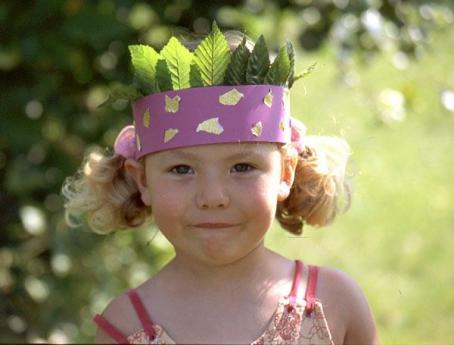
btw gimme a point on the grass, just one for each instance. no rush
(396, 240)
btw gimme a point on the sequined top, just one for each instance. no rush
(297, 320)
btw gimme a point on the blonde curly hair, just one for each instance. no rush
(104, 194)
(320, 186)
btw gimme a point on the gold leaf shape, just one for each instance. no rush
(146, 118)
(170, 134)
(172, 104)
(210, 126)
(231, 97)
(268, 99)
(282, 126)
(257, 129)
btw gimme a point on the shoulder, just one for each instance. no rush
(346, 307)
(120, 313)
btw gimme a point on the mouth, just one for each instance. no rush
(214, 225)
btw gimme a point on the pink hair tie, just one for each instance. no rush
(125, 143)
(298, 134)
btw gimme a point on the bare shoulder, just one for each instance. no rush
(346, 308)
(120, 313)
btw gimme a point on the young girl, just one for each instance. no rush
(212, 160)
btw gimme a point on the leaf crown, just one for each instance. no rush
(211, 63)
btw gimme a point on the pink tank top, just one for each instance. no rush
(296, 320)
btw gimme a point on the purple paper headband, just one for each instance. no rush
(209, 115)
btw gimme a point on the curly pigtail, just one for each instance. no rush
(319, 183)
(105, 194)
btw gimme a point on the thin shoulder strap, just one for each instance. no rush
(110, 329)
(310, 289)
(296, 281)
(142, 313)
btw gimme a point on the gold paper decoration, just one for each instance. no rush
(282, 126)
(231, 97)
(268, 99)
(210, 126)
(146, 118)
(257, 129)
(172, 104)
(170, 134)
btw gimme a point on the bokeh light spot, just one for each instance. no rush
(447, 99)
(33, 220)
(311, 15)
(16, 324)
(95, 97)
(141, 16)
(391, 104)
(53, 130)
(36, 288)
(34, 109)
(57, 336)
(61, 264)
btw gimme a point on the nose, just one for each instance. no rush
(212, 195)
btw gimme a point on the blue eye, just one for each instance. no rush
(243, 167)
(181, 169)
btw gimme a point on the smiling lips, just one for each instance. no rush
(214, 225)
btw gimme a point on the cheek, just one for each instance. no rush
(166, 203)
(261, 195)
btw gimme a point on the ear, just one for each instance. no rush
(289, 163)
(137, 171)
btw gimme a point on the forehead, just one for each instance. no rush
(218, 152)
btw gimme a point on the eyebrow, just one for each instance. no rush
(190, 156)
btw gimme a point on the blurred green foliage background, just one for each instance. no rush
(384, 81)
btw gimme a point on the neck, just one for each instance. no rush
(241, 273)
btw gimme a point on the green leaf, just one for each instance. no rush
(280, 68)
(121, 92)
(144, 59)
(258, 63)
(291, 55)
(163, 75)
(236, 71)
(212, 57)
(195, 77)
(178, 59)
(306, 72)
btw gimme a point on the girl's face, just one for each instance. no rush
(214, 203)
